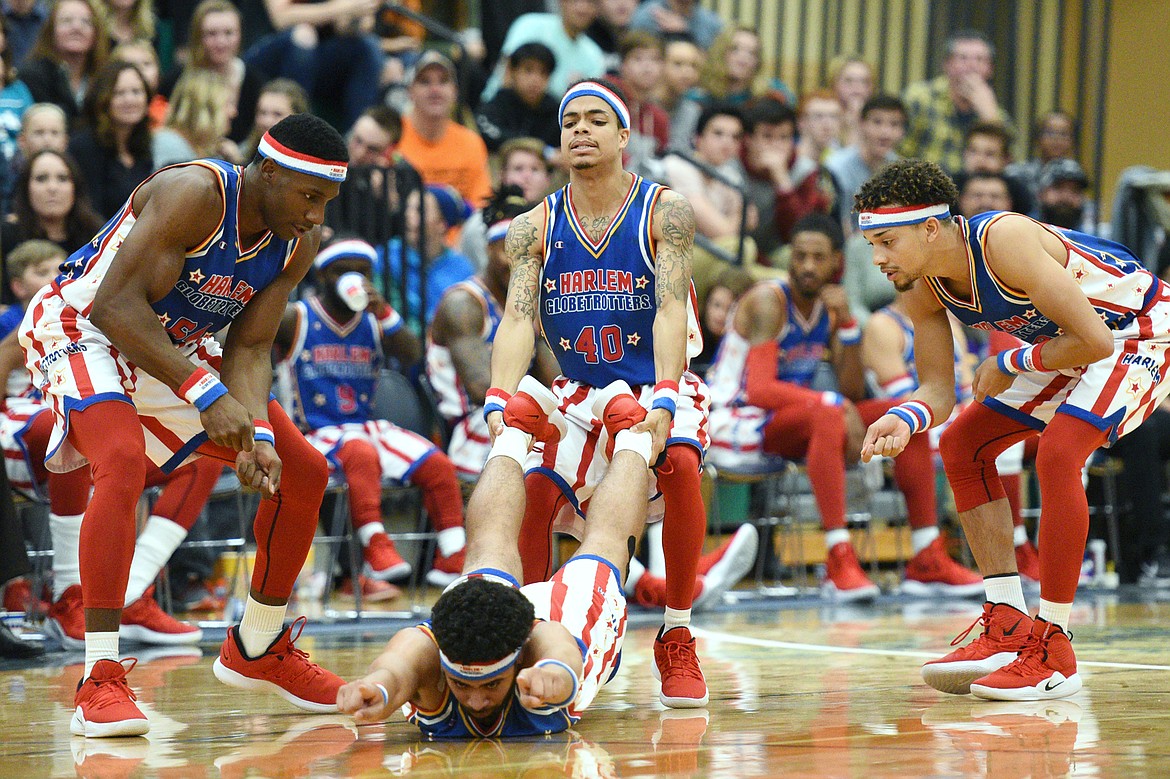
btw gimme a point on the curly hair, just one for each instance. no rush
(481, 621)
(908, 183)
(508, 202)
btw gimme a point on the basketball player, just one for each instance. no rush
(332, 358)
(1097, 328)
(496, 660)
(121, 346)
(606, 265)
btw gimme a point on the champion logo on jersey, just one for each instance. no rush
(559, 245)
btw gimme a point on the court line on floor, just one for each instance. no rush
(714, 635)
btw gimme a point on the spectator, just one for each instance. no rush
(611, 25)
(851, 79)
(41, 127)
(882, 126)
(24, 19)
(818, 125)
(141, 54)
(443, 151)
(640, 72)
(984, 191)
(1063, 196)
(327, 48)
(50, 203)
(577, 55)
(665, 17)
(374, 136)
(113, 148)
(988, 150)
(215, 46)
(70, 50)
(681, 64)
(522, 164)
(524, 109)
(444, 210)
(279, 98)
(729, 287)
(129, 20)
(201, 111)
(943, 109)
(1054, 137)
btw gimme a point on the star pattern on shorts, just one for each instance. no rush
(196, 276)
(549, 285)
(641, 282)
(1079, 274)
(633, 338)
(565, 344)
(1135, 387)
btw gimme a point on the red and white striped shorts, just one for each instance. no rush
(399, 450)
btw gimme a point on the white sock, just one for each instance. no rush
(513, 444)
(1020, 535)
(368, 531)
(260, 626)
(637, 570)
(451, 540)
(158, 541)
(1006, 589)
(1056, 613)
(922, 537)
(654, 554)
(639, 443)
(99, 646)
(834, 537)
(676, 618)
(65, 532)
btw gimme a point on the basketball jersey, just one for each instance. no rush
(219, 275)
(453, 402)
(1115, 282)
(450, 720)
(597, 303)
(332, 367)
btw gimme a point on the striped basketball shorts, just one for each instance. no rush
(399, 450)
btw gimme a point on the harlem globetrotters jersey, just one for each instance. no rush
(597, 303)
(332, 366)
(1116, 283)
(453, 402)
(219, 276)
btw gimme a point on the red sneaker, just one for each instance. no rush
(446, 569)
(1045, 668)
(145, 622)
(933, 573)
(677, 666)
(844, 575)
(383, 561)
(105, 703)
(18, 597)
(1028, 561)
(373, 590)
(66, 621)
(650, 591)
(282, 669)
(1005, 631)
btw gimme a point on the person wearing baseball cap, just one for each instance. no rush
(1063, 193)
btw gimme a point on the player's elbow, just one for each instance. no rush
(1099, 344)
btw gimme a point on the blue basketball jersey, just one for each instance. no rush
(597, 302)
(804, 343)
(219, 277)
(333, 366)
(1115, 282)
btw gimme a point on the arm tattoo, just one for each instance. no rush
(523, 250)
(676, 220)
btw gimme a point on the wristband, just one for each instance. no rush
(914, 413)
(263, 432)
(389, 321)
(385, 695)
(665, 396)
(572, 674)
(495, 400)
(1022, 359)
(903, 385)
(849, 333)
(201, 389)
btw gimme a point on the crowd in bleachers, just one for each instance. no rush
(93, 103)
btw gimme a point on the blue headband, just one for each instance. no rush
(596, 90)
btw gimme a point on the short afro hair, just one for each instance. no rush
(311, 135)
(816, 222)
(481, 621)
(908, 183)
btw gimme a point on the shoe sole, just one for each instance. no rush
(79, 726)
(919, 589)
(392, 574)
(1070, 686)
(236, 679)
(955, 678)
(147, 636)
(677, 703)
(53, 628)
(731, 568)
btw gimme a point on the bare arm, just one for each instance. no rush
(512, 348)
(550, 684)
(458, 325)
(408, 669)
(287, 13)
(286, 333)
(881, 349)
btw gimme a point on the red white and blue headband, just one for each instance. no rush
(897, 216)
(274, 150)
(498, 231)
(348, 248)
(586, 88)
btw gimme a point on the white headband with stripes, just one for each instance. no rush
(897, 216)
(475, 671)
(348, 248)
(596, 90)
(302, 163)
(498, 231)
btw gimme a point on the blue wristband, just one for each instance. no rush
(214, 393)
(665, 403)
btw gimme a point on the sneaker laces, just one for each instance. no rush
(681, 659)
(983, 619)
(111, 690)
(301, 661)
(1031, 657)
